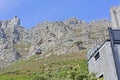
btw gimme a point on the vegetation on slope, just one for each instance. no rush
(63, 67)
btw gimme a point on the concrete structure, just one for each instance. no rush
(115, 17)
(104, 61)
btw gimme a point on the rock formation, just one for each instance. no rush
(54, 38)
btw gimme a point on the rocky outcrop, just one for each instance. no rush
(11, 32)
(54, 38)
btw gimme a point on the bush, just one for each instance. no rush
(79, 42)
(39, 78)
(86, 76)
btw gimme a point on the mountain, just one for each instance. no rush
(53, 38)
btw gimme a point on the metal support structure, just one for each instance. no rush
(113, 37)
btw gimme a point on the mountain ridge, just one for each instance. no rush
(53, 38)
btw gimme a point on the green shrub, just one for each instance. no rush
(39, 78)
(81, 77)
(63, 73)
(85, 76)
(72, 75)
(79, 42)
(16, 72)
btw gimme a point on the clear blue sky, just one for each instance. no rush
(32, 12)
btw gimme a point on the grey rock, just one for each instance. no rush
(53, 38)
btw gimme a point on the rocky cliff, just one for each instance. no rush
(54, 38)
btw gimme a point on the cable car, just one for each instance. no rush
(38, 51)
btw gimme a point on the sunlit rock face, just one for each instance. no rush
(53, 38)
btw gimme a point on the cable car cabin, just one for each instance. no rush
(38, 51)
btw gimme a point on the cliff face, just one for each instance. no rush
(71, 35)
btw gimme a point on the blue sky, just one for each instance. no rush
(32, 12)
